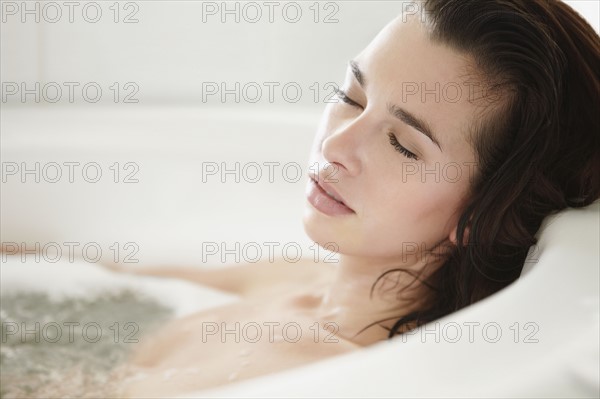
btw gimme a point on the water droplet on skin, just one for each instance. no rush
(192, 370)
(233, 376)
(245, 352)
(278, 338)
(169, 374)
(137, 377)
(334, 312)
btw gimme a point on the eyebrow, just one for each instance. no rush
(357, 73)
(411, 120)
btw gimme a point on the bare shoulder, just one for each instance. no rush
(281, 274)
(248, 279)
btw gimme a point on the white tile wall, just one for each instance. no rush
(171, 51)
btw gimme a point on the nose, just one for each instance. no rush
(344, 147)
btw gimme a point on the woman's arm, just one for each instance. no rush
(246, 279)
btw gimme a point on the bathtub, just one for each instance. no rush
(172, 178)
(182, 185)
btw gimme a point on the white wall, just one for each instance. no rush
(170, 51)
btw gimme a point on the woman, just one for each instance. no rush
(460, 128)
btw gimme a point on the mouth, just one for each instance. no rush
(325, 199)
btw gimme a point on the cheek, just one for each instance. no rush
(416, 209)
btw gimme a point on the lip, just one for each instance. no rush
(332, 205)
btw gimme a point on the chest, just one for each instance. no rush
(229, 344)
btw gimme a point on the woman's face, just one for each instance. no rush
(399, 88)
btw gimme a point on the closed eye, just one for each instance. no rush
(342, 95)
(401, 149)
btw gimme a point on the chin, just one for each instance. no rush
(330, 233)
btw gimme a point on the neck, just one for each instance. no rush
(347, 300)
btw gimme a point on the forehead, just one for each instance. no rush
(403, 66)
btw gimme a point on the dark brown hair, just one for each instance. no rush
(538, 153)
